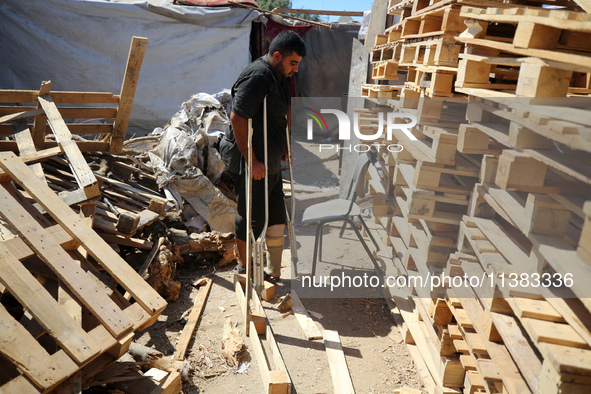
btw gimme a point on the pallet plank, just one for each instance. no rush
(130, 81)
(81, 170)
(189, 328)
(301, 314)
(341, 379)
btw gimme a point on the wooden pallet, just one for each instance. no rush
(538, 27)
(546, 225)
(550, 323)
(39, 107)
(523, 124)
(431, 81)
(92, 317)
(386, 70)
(380, 91)
(446, 20)
(435, 51)
(489, 76)
(385, 52)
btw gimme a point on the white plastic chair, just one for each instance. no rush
(344, 209)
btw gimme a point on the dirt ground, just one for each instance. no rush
(377, 358)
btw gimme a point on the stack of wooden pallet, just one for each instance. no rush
(494, 188)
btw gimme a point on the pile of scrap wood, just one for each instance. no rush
(71, 229)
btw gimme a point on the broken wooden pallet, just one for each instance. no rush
(431, 81)
(433, 51)
(445, 20)
(112, 110)
(95, 317)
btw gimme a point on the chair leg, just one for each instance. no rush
(343, 229)
(373, 260)
(316, 244)
(320, 247)
(373, 240)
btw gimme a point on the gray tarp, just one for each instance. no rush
(83, 45)
(325, 71)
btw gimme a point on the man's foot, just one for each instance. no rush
(240, 269)
(272, 279)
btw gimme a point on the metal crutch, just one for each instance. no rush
(259, 243)
(248, 289)
(258, 250)
(290, 217)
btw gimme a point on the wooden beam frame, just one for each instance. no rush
(317, 12)
(130, 81)
(276, 381)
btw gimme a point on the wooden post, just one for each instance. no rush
(130, 81)
(40, 121)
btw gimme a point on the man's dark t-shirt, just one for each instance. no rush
(255, 82)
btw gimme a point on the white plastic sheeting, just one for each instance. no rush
(185, 151)
(82, 45)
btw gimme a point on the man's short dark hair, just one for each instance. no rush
(287, 42)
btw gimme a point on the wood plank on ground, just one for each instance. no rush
(341, 379)
(187, 333)
(306, 323)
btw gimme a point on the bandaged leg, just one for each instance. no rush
(274, 240)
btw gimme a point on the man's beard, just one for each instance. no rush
(280, 71)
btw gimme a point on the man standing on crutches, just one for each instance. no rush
(264, 83)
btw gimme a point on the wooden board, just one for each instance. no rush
(341, 379)
(46, 310)
(78, 164)
(17, 344)
(310, 329)
(130, 82)
(43, 244)
(189, 328)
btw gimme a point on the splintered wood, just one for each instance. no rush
(492, 183)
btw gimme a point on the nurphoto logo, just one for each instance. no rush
(386, 124)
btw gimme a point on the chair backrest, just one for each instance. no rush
(357, 186)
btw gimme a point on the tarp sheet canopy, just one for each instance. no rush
(82, 45)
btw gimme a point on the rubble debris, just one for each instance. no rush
(233, 347)
(224, 244)
(284, 303)
(162, 271)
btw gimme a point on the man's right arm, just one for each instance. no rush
(240, 128)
